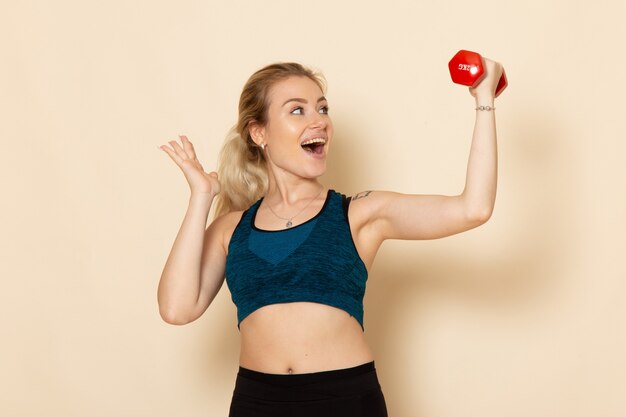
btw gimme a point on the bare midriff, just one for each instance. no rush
(301, 337)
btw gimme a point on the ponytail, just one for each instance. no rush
(242, 172)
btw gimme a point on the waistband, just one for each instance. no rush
(324, 385)
(308, 378)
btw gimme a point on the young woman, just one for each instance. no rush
(295, 254)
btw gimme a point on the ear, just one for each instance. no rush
(257, 132)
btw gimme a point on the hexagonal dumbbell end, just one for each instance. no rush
(466, 68)
(502, 83)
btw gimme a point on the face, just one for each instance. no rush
(299, 130)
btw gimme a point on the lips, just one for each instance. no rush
(316, 140)
(314, 145)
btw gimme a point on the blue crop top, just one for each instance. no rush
(315, 261)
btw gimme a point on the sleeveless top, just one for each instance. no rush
(315, 261)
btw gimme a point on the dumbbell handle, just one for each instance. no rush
(466, 68)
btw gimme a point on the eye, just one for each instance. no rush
(324, 110)
(297, 110)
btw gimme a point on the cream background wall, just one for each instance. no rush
(523, 316)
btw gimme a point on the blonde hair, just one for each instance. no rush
(242, 167)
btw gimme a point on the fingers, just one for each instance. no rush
(493, 66)
(188, 146)
(177, 159)
(178, 153)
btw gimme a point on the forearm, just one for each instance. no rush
(179, 286)
(479, 193)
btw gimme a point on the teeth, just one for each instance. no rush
(314, 140)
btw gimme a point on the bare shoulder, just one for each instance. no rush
(364, 214)
(373, 197)
(371, 212)
(223, 227)
(366, 206)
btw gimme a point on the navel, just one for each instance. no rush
(290, 371)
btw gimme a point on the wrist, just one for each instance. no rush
(201, 198)
(485, 101)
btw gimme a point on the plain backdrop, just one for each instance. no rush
(521, 317)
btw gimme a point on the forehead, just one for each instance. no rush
(294, 87)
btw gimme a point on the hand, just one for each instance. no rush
(485, 91)
(199, 181)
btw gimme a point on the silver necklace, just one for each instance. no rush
(289, 223)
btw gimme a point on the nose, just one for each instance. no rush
(319, 121)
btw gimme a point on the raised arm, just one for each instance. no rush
(390, 215)
(194, 270)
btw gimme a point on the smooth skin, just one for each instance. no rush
(304, 337)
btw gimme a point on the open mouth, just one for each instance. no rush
(314, 146)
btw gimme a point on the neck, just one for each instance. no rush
(290, 191)
(287, 197)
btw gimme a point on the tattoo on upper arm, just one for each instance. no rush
(361, 195)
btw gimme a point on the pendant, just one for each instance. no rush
(288, 223)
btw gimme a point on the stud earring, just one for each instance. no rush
(263, 146)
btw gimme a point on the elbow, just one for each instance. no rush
(479, 215)
(478, 208)
(173, 316)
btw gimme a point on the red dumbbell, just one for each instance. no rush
(466, 68)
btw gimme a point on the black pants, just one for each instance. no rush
(351, 392)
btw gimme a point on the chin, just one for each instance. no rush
(315, 173)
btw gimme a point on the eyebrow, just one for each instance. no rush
(301, 100)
